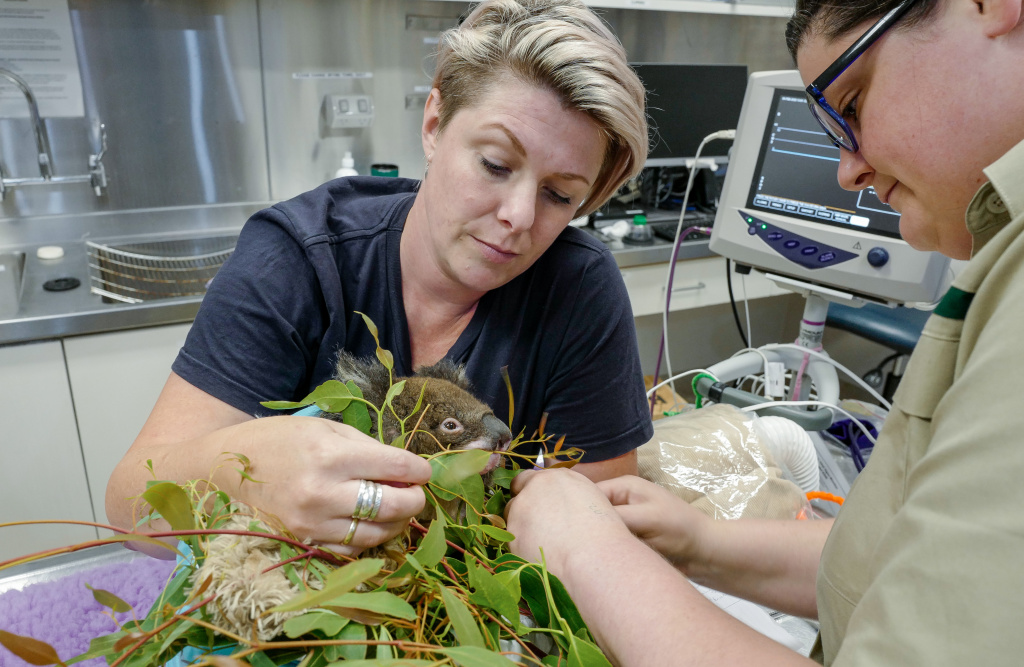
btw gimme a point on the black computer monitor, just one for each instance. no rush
(686, 103)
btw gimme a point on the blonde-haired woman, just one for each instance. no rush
(535, 118)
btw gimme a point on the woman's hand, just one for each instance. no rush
(310, 471)
(668, 524)
(560, 511)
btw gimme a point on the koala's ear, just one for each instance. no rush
(446, 370)
(349, 367)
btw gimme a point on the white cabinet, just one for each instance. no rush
(697, 283)
(41, 471)
(116, 379)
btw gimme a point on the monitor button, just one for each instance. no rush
(791, 244)
(752, 230)
(809, 250)
(878, 257)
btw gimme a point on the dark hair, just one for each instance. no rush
(832, 18)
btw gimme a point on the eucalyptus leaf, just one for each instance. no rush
(326, 622)
(369, 325)
(396, 662)
(472, 656)
(450, 468)
(108, 599)
(503, 477)
(396, 389)
(30, 650)
(339, 582)
(497, 533)
(491, 592)
(466, 629)
(384, 651)
(584, 654)
(353, 632)
(357, 415)
(379, 602)
(173, 504)
(386, 359)
(432, 547)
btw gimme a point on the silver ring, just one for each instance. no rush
(364, 500)
(351, 532)
(377, 497)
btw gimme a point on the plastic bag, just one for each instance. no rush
(713, 459)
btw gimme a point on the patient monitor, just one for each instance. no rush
(783, 212)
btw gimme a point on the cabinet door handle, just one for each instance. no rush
(688, 288)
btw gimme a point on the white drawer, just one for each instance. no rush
(697, 283)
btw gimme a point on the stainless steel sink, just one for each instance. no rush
(135, 270)
(12, 269)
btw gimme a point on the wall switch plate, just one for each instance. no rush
(345, 111)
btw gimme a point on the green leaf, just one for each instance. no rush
(395, 662)
(261, 659)
(385, 651)
(385, 357)
(325, 621)
(497, 533)
(472, 656)
(108, 599)
(450, 468)
(369, 325)
(494, 593)
(503, 477)
(30, 650)
(432, 547)
(511, 398)
(496, 504)
(173, 504)
(339, 582)
(357, 415)
(466, 630)
(380, 602)
(355, 652)
(584, 654)
(395, 390)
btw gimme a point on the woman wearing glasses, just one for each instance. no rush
(923, 563)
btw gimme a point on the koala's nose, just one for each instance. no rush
(498, 431)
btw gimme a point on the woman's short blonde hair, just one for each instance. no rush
(559, 45)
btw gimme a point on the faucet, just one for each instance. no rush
(42, 138)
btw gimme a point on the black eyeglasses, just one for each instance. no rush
(831, 121)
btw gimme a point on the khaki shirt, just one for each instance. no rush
(925, 564)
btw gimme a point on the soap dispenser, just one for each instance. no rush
(348, 166)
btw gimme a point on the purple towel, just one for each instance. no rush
(65, 615)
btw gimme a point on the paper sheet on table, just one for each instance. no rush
(753, 616)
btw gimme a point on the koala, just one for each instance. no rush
(454, 420)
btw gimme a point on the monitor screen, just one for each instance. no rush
(686, 103)
(782, 211)
(796, 174)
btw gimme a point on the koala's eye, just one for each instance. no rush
(451, 425)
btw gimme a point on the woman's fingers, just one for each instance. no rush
(396, 503)
(370, 459)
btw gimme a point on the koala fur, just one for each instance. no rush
(454, 420)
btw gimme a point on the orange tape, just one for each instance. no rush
(821, 495)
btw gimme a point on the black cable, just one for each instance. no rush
(732, 302)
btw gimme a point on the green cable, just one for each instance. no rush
(693, 385)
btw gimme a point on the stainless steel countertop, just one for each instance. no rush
(45, 315)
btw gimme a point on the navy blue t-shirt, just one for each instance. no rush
(282, 306)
